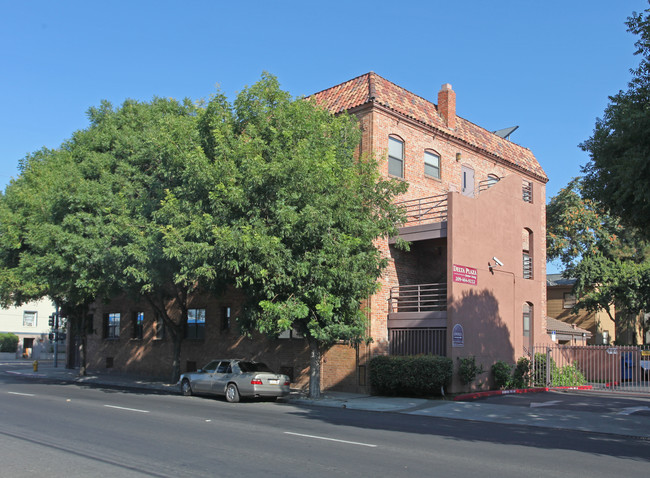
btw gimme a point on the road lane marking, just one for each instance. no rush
(22, 394)
(550, 403)
(127, 409)
(331, 439)
(631, 410)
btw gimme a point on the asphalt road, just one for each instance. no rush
(58, 430)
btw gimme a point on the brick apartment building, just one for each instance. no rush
(472, 283)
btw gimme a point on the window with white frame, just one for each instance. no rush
(29, 318)
(395, 157)
(432, 164)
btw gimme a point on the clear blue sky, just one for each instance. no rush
(546, 66)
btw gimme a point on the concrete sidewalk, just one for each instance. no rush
(633, 421)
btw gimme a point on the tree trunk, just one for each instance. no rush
(82, 355)
(176, 359)
(314, 368)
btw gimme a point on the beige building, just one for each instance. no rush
(561, 300)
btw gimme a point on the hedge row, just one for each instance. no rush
(419, 375)
(8, 342)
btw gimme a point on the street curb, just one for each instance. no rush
(492, 393)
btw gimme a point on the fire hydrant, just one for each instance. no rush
(35, 365)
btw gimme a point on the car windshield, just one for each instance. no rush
(253, 367)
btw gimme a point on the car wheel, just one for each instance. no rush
(186, 388)
(232, 393)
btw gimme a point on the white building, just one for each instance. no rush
(30, 323)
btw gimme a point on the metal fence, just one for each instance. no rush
(414, 341)
(425, 210)
(603, 367)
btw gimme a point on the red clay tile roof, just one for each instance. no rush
(373, 88)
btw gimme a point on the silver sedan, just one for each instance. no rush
(235, 379)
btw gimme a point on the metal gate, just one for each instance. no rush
(601, 367)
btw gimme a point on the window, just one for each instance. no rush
(492, 179)
(432, 164)
(290, 334)
(569, 300)
(527, 315)
(112, 325)
(159, 328)
(138, 325)
(225, 318)
(527, 191)
(195, 324)
(29, 318)
(224, 367)
(395, 157)
(527, 259)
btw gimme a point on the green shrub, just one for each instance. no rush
(418, 375)
(8, 342)
(502, 372)
(567, 376)
(521, 374)
(468, 369)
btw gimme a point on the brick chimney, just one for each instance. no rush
(447, 105)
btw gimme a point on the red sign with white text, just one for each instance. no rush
(465, 275)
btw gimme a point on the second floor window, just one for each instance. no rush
(569, 300)
(395, 157)
(29, 319)
(527, 244)
(432, 164)
(195, 324)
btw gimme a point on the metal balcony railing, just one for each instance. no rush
(488, 183)
(425, 210)
(418, 298)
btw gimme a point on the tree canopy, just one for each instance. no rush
(610, 262)
(304, 213)
(618, 171)
(162, 199)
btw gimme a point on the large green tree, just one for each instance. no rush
(165, 199)
(305, 212)
(57, 237)
(618, 172)
(120, 207)
(611, 263)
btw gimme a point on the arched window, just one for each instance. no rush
(492, 179)
(395, 157)
(527, 248)
(527, 315)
